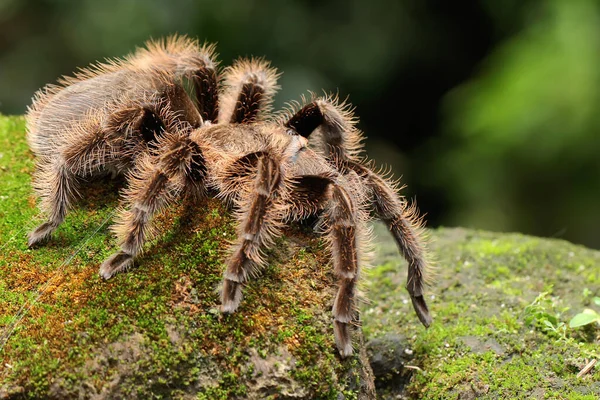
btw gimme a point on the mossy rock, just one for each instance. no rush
(156, 332)
(501, 306)
(500, 302)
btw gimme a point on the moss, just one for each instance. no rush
(159, 331)
(155, 330)
(486, 339)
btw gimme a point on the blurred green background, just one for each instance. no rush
(488, 109)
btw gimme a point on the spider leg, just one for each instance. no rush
(98, 144)
(174, 104)
(344, 227)
(343, 222)
(250, 87)
(57, 186)
(88, 148)
(335, 135)
(262, 207)
(259, 221)
(405, 226)
(206, 85)
(192, 61)
(330, 126)
(201, 70)
(156, 181)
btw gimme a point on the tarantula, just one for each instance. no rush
(173, 124)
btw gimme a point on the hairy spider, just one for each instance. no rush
(134, 116)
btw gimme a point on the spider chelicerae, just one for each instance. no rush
(167, 118)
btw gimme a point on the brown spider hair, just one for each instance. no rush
(134, 116)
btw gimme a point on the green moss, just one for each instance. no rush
(157, 327)
(484, 341)
(161, 321)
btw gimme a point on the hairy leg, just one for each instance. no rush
(206, 83)
(344, 229)
(185, 58)
(343, 222)
(329, 125)
(259, 219)
(107, 141)
(154, 184)
(96, 143)
(405, 225)
(342, 225)
(175, 105)
(57, 187)
(250, 87)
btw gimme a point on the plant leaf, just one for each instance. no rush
(586, 317)
(597, 301)
(548, 324)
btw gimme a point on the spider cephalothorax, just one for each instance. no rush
(135, 116)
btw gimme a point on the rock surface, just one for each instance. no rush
(156, 332)
(501, 305)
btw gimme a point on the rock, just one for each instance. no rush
(501, 304)
(155, 331)
(388, 356)
(8, 391)
(477, 345)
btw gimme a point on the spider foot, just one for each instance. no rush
(41, 234)
(116, 263)
(422, 311)
(343, 338)
(231, 296)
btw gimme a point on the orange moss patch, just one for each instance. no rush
(74, 285)
(60, 298)
(32, 201)
(182, 296)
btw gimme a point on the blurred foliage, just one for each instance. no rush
(485, 107)
(520, 147)
(315, 43)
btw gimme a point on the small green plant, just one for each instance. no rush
(543, 315)
(588, 316)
